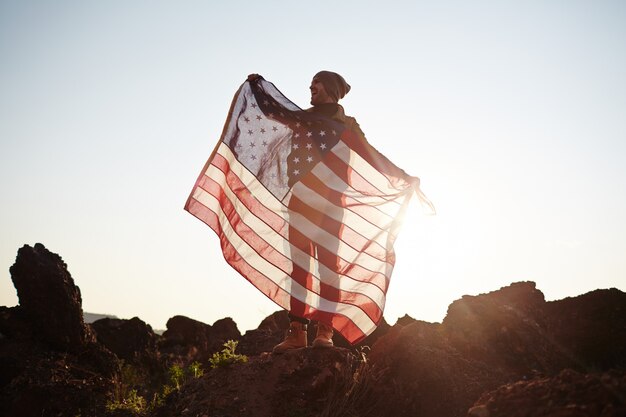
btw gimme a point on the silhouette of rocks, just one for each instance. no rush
(505, 328)
(50, 364)
(49, 299)
(187, 340)
(270, 332)
(504, 353)
(419, 373)
(490, 340)
(301, 383)
(590, 329)
(131, 340)
(568, 394)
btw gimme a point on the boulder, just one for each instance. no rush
(49, 299)
(187, 340)
(568, 394)
(131, 340)
(506, 328)
(590, 329)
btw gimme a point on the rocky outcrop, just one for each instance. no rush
(568, 394)
(187, 340)
(305, 383)
(490, 340)
(49, 299)
(504, 353)
(50, 364)
(590, 330)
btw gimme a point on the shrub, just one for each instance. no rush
(227, 356)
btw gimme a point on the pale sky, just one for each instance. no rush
(513, 114)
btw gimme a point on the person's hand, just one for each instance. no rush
(253, 77)
(415, 183)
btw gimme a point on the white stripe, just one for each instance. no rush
(277, 276)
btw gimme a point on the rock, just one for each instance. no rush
(568, 394)
(590, 329)
(130, 340)
(187, 340)
(49, 299)
(506, 328)
(270, 332)
(306, 382)
(417, 372)
(50, 364)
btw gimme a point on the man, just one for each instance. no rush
(327, 88)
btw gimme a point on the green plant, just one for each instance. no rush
(195, 369)
(227, 356)
(133, 402)
(177, 375)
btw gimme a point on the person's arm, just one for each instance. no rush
(377, 159)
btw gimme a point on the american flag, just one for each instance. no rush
(281, 176)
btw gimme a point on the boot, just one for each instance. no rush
(294, 339)
(324, 337)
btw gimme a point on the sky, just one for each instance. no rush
(511, 113)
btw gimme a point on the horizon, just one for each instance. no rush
(511, 115)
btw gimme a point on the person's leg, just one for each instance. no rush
(301, 252)
(329, 257)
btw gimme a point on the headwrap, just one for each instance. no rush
(335, 85)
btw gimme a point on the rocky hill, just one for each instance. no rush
(505, 353)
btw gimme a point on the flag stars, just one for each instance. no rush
(309, 146)
(296, 172)
(322, 133)
(252, 144)
(296, 160)
(246, 119)
(264, 143)
(295, 146)
(254, 106)
(274, 128)
(309, 134)
(322, 146)
(309, 159)
(250, 132)
(253, 157)
(262, 130)
(297, 135)
(265, 102)
(258, 117)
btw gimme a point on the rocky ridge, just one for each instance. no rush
(504, 353)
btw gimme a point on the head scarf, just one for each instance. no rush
(335, 85)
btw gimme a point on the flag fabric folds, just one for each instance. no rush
(305, 209)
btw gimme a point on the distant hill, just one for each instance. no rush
(91, 317)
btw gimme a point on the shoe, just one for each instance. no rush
(324, 337)
(294, 339)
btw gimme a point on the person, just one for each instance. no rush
(326, 89)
